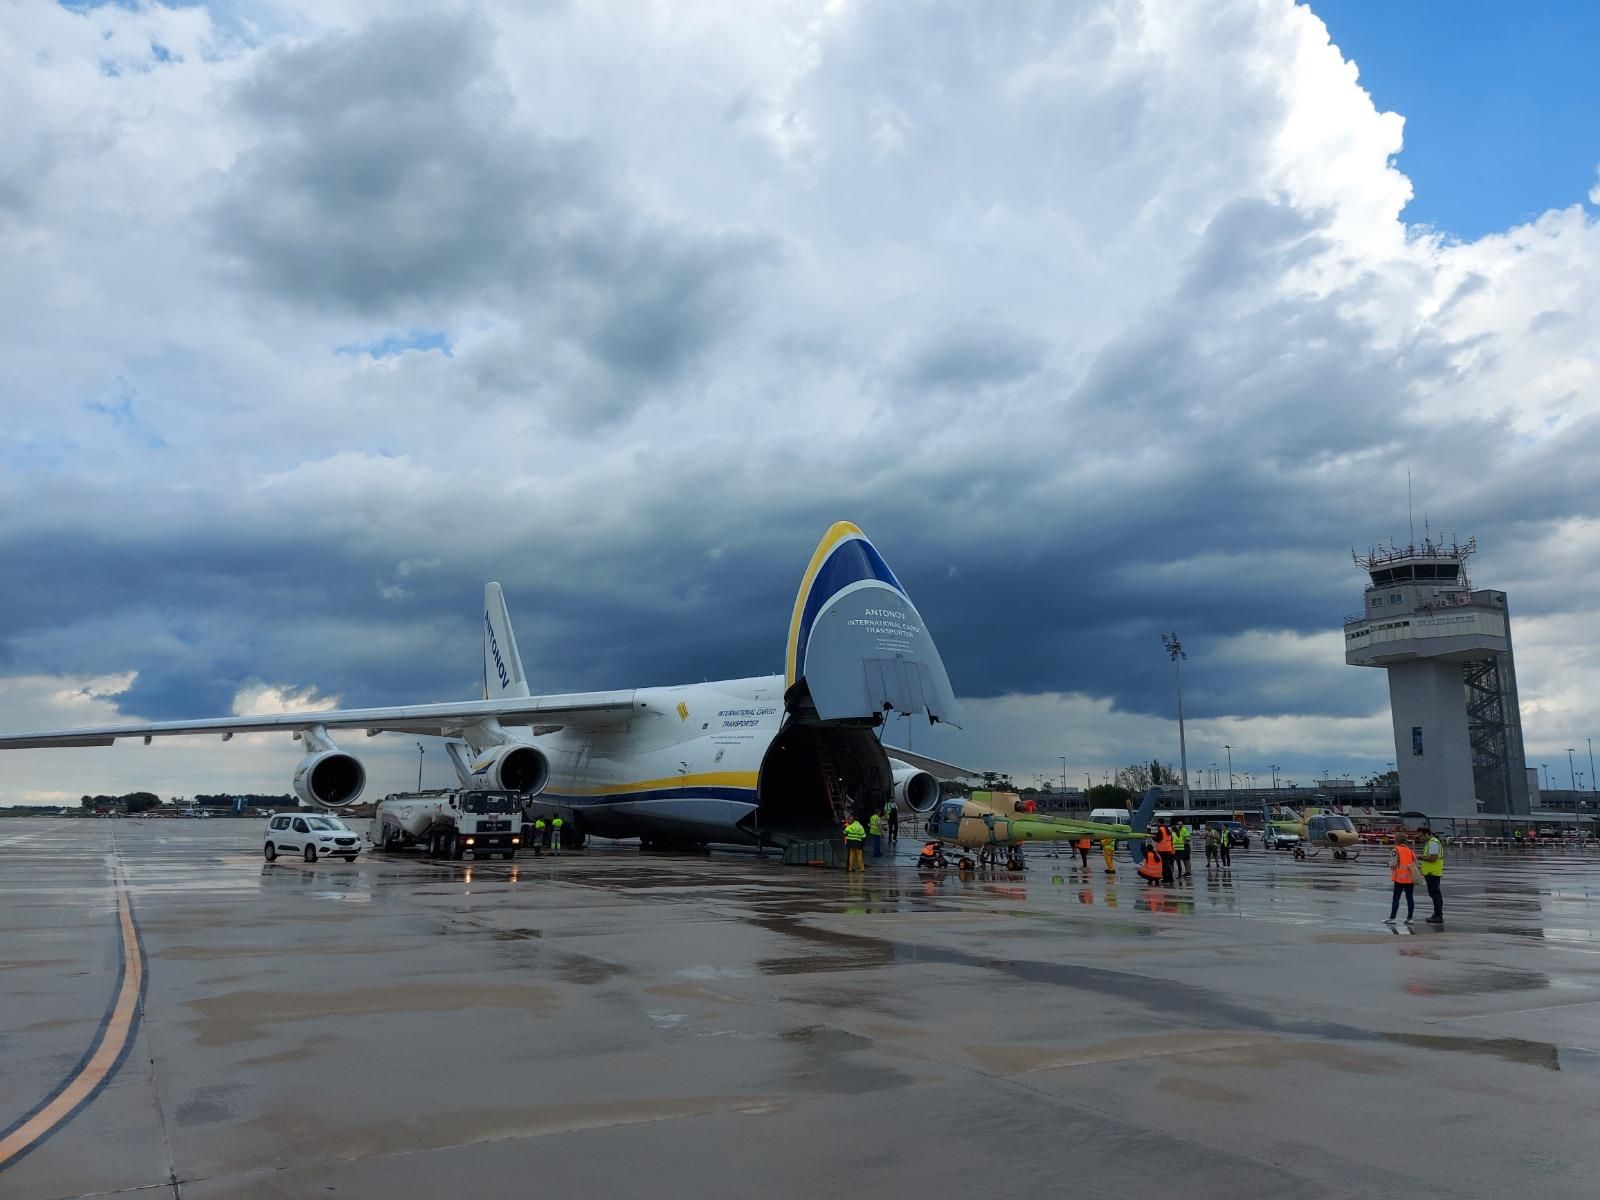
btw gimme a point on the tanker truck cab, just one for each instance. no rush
(450, 824)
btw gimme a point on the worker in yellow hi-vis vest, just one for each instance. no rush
(1433, 872)
(854, 835)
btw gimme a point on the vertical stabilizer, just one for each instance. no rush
(502, 665)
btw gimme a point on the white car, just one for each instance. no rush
(310, 835)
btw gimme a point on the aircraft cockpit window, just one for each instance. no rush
(1341, 825)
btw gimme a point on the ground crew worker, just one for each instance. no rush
(1401, 864)
(1225, 847)
(1150, 869)
(1165, 851)
(1180, 846)
(538, 836)
(555, 836)
(875, 832)
(1108, 851)
(929, 857)
(894, 822)
(1211, 846)
(854, 835)
(1433, 873)
(1085, 844)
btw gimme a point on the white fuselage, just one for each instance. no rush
(686, 762)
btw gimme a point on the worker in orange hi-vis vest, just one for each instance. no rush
(1402, 873)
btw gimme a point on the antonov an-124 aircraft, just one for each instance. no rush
(772, 759)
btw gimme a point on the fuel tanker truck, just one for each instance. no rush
(450, 823)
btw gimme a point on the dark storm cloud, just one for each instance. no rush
(389, 168)
(393, 172)
(971, 355)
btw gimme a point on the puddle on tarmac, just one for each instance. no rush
(1509, 1048)
(1473, 983)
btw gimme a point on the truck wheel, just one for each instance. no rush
(270, 852)
(510, 854)
(457, 850)
(311, 854)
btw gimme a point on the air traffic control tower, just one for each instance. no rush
(1452, 681)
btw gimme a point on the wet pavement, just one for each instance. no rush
(611, 1023)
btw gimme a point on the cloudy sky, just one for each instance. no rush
(1102, 318)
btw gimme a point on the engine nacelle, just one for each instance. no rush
(916, 789)
(511, 768)
(329, 779)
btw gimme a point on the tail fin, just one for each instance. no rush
(502, 665)
(857, 642)
(1147, 806)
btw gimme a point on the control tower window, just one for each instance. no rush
(1396, 597)
(1377, 602)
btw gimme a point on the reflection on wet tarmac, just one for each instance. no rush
(399, 1027)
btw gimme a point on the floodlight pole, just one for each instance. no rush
(1571, 774)
(419, 766)
(1175, 652)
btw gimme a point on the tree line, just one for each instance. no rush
(137, 802)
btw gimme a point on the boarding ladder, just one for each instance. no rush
(838, 803)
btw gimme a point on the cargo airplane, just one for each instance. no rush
(768, 759)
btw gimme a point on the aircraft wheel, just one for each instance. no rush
(311, 854)
(270, 852)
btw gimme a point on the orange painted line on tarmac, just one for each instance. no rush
(105, 1054)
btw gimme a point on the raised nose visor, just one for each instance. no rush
(857, 643)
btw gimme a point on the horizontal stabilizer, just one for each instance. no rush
(933, 766)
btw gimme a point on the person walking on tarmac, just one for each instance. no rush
(894, 821)
(854, 835)
(875, 832)
(1433, 873)
(1085, 844)
(1211, 847)
(1166, 852)
(555, 836)
(1225, 847)
(1402, 867)
(538, 836)
(1108, 851)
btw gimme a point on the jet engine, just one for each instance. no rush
(329, 779)
(512, 768)
(916, 789)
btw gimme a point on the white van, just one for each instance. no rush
(1111, 816)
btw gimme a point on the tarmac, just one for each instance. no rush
(611, 1023)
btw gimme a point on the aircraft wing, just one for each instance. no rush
(933, 766)
(444, 720)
